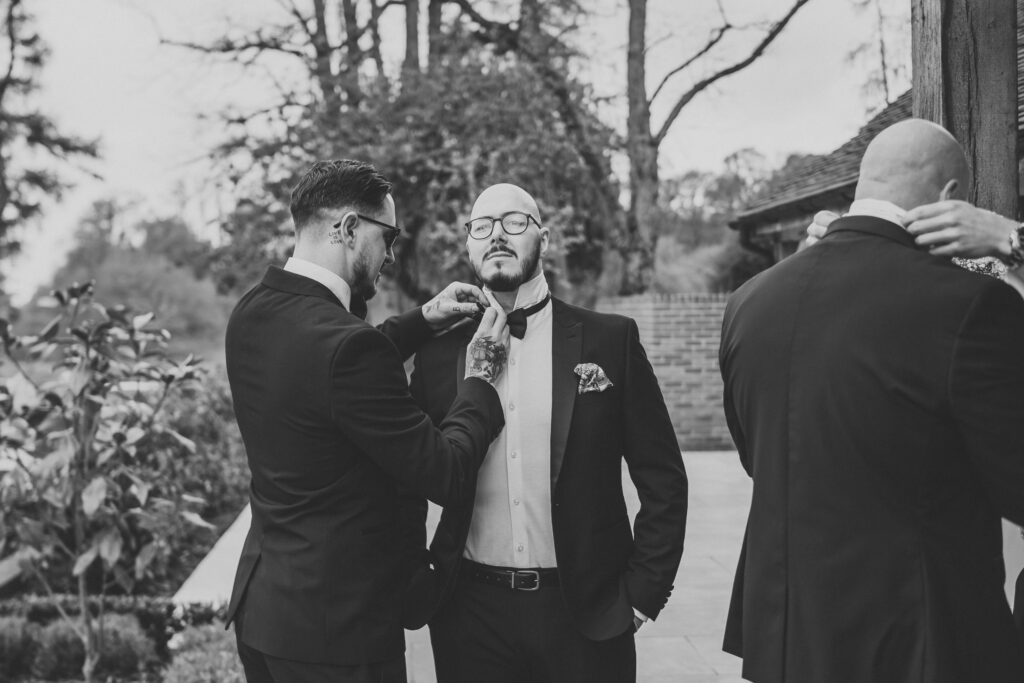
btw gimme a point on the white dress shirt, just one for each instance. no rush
(879, 208)
(511, 524)
(331, 281)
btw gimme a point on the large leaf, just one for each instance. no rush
(110, 544)
(134, 435)
(12, 566)
(188, 443)
(194, 518)
(85, 559)
(140, 321)
(93, 496)
(51, 329)
(141, 491)
(143, 560)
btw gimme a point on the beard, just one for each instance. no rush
(364, 279)
(507, 281)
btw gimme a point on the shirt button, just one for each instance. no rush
(512, 361)
(515, 454)
(519, 548)
(512, 406)
(515, 501)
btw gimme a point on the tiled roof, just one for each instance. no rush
(824, 173)
(838, 170)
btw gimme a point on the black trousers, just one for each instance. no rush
(493, 634)
(263, 668)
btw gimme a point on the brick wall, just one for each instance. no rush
(680, 333)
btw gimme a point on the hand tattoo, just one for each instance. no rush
(485, 359)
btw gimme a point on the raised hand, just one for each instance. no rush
(816, 230)
(455, 302)
(488, 349)
(956, 228)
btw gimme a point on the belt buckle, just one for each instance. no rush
(536, 579)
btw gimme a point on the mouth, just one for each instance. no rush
(499, 253)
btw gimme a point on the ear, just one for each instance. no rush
(347, 228)
(949, 191)
(545, 240)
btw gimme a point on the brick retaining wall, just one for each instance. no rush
(680, 333)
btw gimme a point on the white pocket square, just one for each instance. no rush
(592, 378)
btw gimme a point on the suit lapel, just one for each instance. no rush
(566, 348)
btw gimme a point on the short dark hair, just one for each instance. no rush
(338, 183)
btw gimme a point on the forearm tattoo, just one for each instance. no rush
(485, 359)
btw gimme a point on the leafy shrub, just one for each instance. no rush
(214, 476)
(84, 484)
(124, 649)
(16, 647)
(59, 652)
(206, 654)
(159, 618)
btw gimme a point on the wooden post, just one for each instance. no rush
(965, 79)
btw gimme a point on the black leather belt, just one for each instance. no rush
(507, 577)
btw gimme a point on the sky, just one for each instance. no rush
(153, 106)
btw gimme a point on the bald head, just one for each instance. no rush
(502, 198)
(910, 163)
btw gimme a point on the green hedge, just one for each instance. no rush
(54, 652)
(159, 618)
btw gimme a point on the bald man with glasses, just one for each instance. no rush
(540, 576)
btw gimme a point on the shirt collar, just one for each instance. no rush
(878, 208)
(331, 281)
(530, 292)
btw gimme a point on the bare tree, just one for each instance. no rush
(643, 141)
(885, 52)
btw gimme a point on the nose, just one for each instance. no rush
(389, 255)
(498, 232)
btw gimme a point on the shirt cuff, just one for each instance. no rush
(640, 615)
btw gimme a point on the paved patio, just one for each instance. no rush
(684, 644)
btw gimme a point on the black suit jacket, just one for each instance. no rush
(605, 570)
(331, 432)
(876, 396)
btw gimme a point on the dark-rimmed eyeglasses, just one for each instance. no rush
(391, 231)
(513, 223)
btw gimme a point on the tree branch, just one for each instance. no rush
(715, 38)
(12, 36)
(293, 9)
(228, 46)
(703, 84)
(501, 34)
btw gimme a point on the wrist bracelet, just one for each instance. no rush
(1016, 257)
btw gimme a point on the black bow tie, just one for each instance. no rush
(517, 318)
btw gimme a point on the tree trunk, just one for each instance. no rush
(412, 36)
(642, 149)
(325, 75)
(965, 78)
(353, 53)
(90, 642)
(376, 9)
(434, 32)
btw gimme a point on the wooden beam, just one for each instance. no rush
(965, 79)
